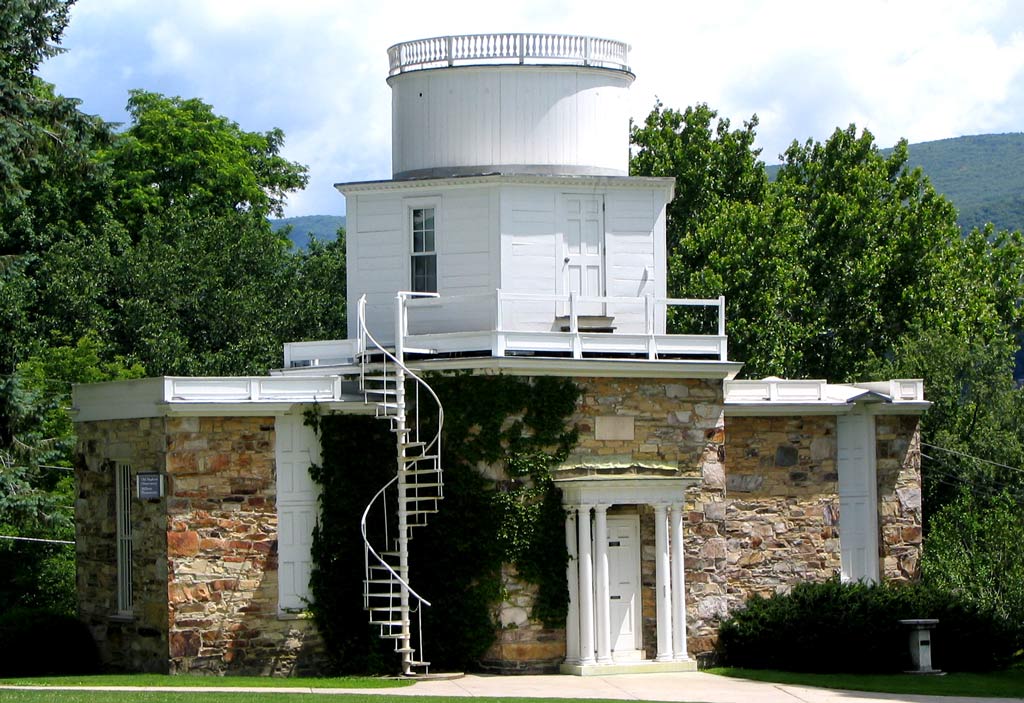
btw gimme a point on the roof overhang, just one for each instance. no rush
(173, 396)
(776, 396)
(558, 366)
(507, 178)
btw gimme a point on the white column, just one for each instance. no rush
(678, 586)
(572, 619)
(604, 615)
(586, 587)
(663, 585)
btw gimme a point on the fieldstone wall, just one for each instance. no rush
(522, 645)
(771, 522)
(222, 552)
(898, 450)
(139, 642)
(204, 556)
(635, 426)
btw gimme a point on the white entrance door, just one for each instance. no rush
(624, 584)
(582, 262)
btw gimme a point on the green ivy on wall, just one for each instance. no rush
(515, 424)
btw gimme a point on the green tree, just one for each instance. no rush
(973, 550)
(321, 310)
(178, 153)
(36, 480)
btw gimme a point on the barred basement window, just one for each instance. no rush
(123, 504)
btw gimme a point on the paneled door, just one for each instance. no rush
(624, 584)
(582, 261)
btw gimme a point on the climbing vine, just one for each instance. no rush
(502, 437)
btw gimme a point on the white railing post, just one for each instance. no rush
(448, 51)
(649, 314)
(724, 356)
(498, 346)
(574, 328)
(400, 327)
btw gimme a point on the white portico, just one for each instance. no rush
(604, 631)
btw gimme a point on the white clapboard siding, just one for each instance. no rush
(564, 118)
(297, 447)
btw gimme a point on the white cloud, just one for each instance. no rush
(317, 68)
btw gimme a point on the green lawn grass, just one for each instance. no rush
(1008, 683)
(225, 681)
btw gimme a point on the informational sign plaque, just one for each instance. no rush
(150, 485)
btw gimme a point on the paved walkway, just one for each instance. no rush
(693, 687)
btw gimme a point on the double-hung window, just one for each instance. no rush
(424, 252)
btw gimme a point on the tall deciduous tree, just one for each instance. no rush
(178, 153)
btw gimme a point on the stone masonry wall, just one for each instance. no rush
(222, 555)
(898, 450)
(522, 645)
(771, 522)
(633, 426)
(139, 642)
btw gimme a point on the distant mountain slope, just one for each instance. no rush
(983, 176)
(323, 227)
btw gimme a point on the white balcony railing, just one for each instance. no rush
(503, 324)
(439, 52)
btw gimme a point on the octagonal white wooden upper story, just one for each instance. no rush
(510, 201)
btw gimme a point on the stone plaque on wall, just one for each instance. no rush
(618, 427)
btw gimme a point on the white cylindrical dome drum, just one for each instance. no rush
(497, 109)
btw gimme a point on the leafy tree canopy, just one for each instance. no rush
(178, 153)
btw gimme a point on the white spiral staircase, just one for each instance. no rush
(416, 489)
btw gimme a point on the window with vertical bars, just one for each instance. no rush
(123, 498)
(424, 255)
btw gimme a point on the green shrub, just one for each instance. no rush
(45, 643)
(835, 627)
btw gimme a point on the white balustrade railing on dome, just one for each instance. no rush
(570, 49)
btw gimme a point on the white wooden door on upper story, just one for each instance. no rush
(582, 255)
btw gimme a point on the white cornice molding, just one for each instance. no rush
(506, 179)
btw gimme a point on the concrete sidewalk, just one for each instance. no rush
(693, 687)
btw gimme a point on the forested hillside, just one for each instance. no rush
(323, 228)
(983, 175)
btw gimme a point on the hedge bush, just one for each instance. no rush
(45, 643)
(837, 627)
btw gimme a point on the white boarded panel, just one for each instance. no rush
(858, 508)
(296, 449)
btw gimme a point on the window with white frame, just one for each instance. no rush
(123, 514)
(424, 253)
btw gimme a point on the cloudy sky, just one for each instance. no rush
(923, 70)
